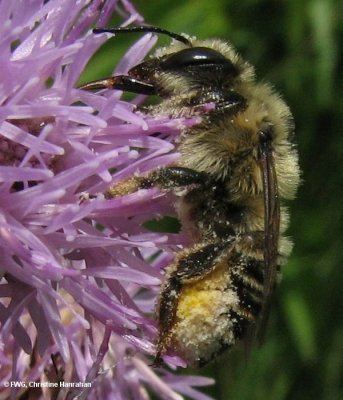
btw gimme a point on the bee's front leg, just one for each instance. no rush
(164, 178)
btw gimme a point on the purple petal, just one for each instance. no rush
(73, 264)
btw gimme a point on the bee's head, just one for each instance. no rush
(187, 66)
(183, 67)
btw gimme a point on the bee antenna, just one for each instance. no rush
(145, 28)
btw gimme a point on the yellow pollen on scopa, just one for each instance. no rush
(203, 296)
(193, 302)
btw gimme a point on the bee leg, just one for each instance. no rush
(124, 187)
(172, 177)
(190, 265)
(164, 178)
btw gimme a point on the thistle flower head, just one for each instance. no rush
(78, 278)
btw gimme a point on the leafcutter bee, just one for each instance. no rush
(235, 168)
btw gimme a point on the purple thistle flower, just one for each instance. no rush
(77, 290)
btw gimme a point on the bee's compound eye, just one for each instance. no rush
(197, 56)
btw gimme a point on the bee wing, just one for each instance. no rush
(271, 238)
(271, 227)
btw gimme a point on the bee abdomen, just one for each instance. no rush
(215, 311)
(247, 282)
